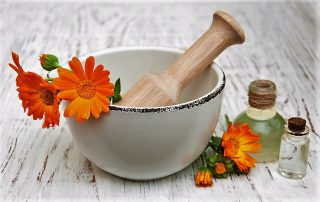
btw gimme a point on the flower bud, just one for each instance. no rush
(220, 168)
(49, 62)
(203, 178)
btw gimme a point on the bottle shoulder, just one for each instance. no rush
(296, 140)
(273, 125)
(243, 117)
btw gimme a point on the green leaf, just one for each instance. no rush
(216, 141)
(117, 98)
(219, 176)
(229, 167)
(227, 119)
(215, 144)
(220, 158)
(227, 160)
(117, 87)
(117, 90)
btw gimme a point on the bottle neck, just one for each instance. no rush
(261, 114)
(262, 96)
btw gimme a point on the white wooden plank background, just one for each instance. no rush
(37, 164)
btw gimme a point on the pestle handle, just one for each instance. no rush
(223, 32)
(153, 90)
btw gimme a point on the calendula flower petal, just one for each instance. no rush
(68, 94)
(103, 75)
(85, 111)
(73, 107)
(103, 100)
(89, 67)
(96, 107)
(97, 72)
(102, 81)
(77, 69)
(253, 148)
(245, 139)
(30, 96)
(105, 91)
(68, 75)
(63, 84)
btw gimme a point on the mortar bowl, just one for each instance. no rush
(143, 143)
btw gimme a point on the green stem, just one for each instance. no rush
(203, 160)
(205, 156)
(214, 149)
(48, 79)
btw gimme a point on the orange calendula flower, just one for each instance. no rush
(220, 168)
(203, 178)
(37, 95)
(237, 141)
(87, 90)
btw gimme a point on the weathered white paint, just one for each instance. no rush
(46, 165)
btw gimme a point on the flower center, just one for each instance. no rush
(86, 89)
(233, 147)
(46, 96)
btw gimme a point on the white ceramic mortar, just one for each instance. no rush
(147, 143)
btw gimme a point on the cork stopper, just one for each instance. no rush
(296, 124)
(262, 94)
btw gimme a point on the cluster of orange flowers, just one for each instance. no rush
(230, 154)
(87, 90)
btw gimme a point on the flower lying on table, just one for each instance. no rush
(228, 154)
(88, 90)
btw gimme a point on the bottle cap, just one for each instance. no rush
(296, 124)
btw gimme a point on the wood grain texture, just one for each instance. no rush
(281, 44)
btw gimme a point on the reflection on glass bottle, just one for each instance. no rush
(294, 149)
(263, 119)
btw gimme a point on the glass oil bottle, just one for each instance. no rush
(263, 119)
(294, 149)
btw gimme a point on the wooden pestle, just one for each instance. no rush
(154, 90)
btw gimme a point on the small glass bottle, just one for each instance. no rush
(263, 119)
(294, 149)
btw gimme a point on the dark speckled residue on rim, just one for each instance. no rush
(172, 108)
